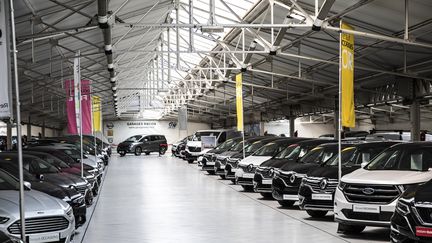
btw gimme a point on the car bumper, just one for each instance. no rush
(244, 178)
(262, 183)
(315, 201)
(344, 212)
(207, 165)
(219, 168)
(284, 192)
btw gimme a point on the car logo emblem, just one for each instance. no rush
(323, 184)
(292, 178)
(249, 168)
(368, 191)
(271, 172)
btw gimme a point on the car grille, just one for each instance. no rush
(315, 183)
(383, 216)
(40, 225)
(81, 189)
(425, 214)
(381, 194)
(265, 173)
(194, 149)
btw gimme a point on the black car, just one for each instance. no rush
(69, 195)
(208, 162)
(287, 179)
(251, 145)
(264, 173)
(46, 172)
(143, 144)
(180, 146)
(317, 190)
(412, 220)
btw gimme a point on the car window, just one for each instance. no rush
(134, 138)
(269, 149)
(222, 137)
(7, 182)
(38, 166)
(416, 159)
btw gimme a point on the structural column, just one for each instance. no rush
(43, 129)
(29, 129)
(9, 135)
(291, 126)
(415, 121)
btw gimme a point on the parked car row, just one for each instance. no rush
(384, 183)
(57, 192)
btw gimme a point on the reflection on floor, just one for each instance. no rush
(164, 199)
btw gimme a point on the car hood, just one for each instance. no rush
(330, 172)
(64, 179)
(125, 143)
(36, 203)
(300, 168)
(421, 194)
(50, 189)
(275, 163)
(255, 160)
(389, 177)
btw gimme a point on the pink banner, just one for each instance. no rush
(85, 107)
(70, 107)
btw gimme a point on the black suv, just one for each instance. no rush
(143, 144)
(317, 190)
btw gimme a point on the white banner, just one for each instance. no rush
(5, 101)
(77, 89)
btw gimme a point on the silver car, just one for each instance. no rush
(48, 219)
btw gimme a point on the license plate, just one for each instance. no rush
(364, 208)
(423, 231)
(248, 175)
(222, 167)
(267, 182)
(44, 238)
(210, 163)
(290, 197)
(322, 196)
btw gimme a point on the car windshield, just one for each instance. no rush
(400, 158)
(286, 152)
(197, 136)
(38, 166)
(7, 182)
(72, 153)
(54, 161)
(317, 155)
(269, 149)
(348, 155)
(227, 144)
(254, 147)
(135, 138)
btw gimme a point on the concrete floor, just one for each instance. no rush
(164, 199)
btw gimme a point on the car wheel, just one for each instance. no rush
(122, 153)
(222, 177)
(162, 150)
(350, 229)
(89, 198)
(147, 153)
(286, 203)
(316, 214)
(95, 189)
(247, 188)
(211, 172)
(138, 151)
(266, 195)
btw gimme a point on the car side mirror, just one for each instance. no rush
(27, 184)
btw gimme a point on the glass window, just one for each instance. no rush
(134, 138)
(399, 158)
(269, 149)
(287, 151)
(7, 182)
(222, 137)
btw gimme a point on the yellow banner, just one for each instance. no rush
(97, 113)
(239, 101)
(347, 77)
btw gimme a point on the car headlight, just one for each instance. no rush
(69, 212)
(79, 200)
(3, 219)
(342, 185)
(402, 206)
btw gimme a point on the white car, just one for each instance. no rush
(368, 196)
(48, 219)
(245, 171)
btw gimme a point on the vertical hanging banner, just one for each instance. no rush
(347, 76)
(70, 107)
(239, 101)
(97, 114)
(77, 90)
(5, 97)
(86, 107)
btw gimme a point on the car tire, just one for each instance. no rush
(247, 188)
(286, 203)
(211, 172)
(316, 214)
(89, 198)
(138, 151)
(122, 153)
(147, 153)
(350, 229)
(222, 177)
(266, 195)
(162, 150)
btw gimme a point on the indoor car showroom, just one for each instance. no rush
(217, 121)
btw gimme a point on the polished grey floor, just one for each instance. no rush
(164, 199)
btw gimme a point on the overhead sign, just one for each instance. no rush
(239, 101)
(347, 77)
(5, 99)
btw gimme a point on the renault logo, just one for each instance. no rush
(368, 191)
(249, 168)
(323, 184)
(292, 178)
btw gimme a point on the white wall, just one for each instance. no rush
(313, 130)
(124, 129)
(276, 127)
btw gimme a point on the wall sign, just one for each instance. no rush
(138, 124)
(5, 99)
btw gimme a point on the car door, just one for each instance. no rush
(144, 143)
(155, 143)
